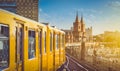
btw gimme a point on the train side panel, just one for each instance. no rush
(50, 48)
(44, 49)
(56, 49)
(7, 57)
(61, 48)
(26, 45)
(31, 48)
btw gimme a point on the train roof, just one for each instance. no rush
(58, 30)
(20, 17)
(29, 20)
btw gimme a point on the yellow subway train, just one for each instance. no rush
(26, 45)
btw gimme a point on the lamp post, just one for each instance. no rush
(94, 52)
(83, 47)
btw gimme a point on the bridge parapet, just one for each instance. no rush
(79, 44)
(73, 44)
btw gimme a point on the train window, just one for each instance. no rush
(4, 46)
(62, 41)
(40, 42)
(51, 41)
(21, 43)
(31, 46)
(45, 42)
(57, 41)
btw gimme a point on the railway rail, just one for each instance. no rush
(73, 65)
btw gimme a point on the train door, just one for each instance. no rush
(40, 49)
(19, 46)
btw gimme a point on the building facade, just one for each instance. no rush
(26, 8)
(89, 36)
(78, 29)
(78, 32)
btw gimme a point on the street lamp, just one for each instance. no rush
(94, 51)
(83, 47)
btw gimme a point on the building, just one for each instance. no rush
(26, 8)
(9, 5)
(78, 29)
(78, 32)
(68, 36)
(89, 36)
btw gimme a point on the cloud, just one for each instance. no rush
(107, 24)
(114, 5)
(53, 20)
(82, 10)
(40, 10)
(43, 16)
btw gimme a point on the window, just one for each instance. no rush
(57, 41)
(9, 6)
(4, 46)
(79, 27)
(40, 42)
(63, 39)
(45, 42)
(61, 42)
(51, 41)
(21, 43)
(31, 44)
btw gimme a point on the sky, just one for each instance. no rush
(102, 15)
